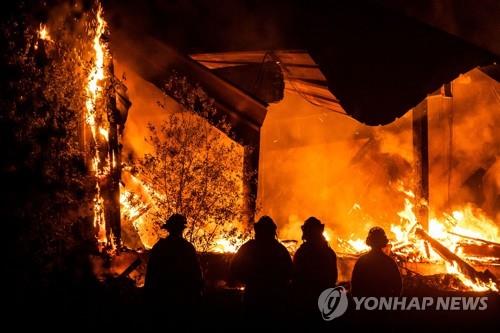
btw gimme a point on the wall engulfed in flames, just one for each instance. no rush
(137, 230)
(353, 177)
(314, 162)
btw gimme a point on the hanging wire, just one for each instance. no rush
(260, 74)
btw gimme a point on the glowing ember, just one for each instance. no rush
(43, 33)
(355, 207)
(326, 234)
(133, 209)
(104, 133)
(226, 246)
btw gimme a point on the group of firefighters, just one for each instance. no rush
(273, 282)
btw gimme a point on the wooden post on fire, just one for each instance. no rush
(421, 162)
(453, 259)
(250, 181)
(117, 106)
(112, 190)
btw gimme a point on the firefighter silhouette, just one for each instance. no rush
(264, 265)
(173, 277)
(375, 273)
(315, 267)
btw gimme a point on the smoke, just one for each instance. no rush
(327, 165)
(316, 163)
(460, 18)
(194, 26)
(149, 105)
(474, 145)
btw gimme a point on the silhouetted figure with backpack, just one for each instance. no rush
(264, 265)
(375, 273)
(315, 268)
(173, 278)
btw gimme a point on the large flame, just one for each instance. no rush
(466, 225)
(96, 73)
(449, 230)
(134, 209)
(461, 226)
(94, 90)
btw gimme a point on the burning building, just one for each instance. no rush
(296, 129)
(316, 160)
(298, 152)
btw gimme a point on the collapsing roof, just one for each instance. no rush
(156, 62)
(302, 75)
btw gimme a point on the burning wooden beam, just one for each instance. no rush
(112, 199)
(136, 263)
(453, 259)
(485, 253)
(420, 126)
(421, 162)
(475, 239)
(486, 248)
(250, 182)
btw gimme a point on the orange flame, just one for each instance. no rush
(466, 221)
(358, 245)
(96, 74)
(94, 91)
(43, 33)
(224, 245)
(474, 285)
